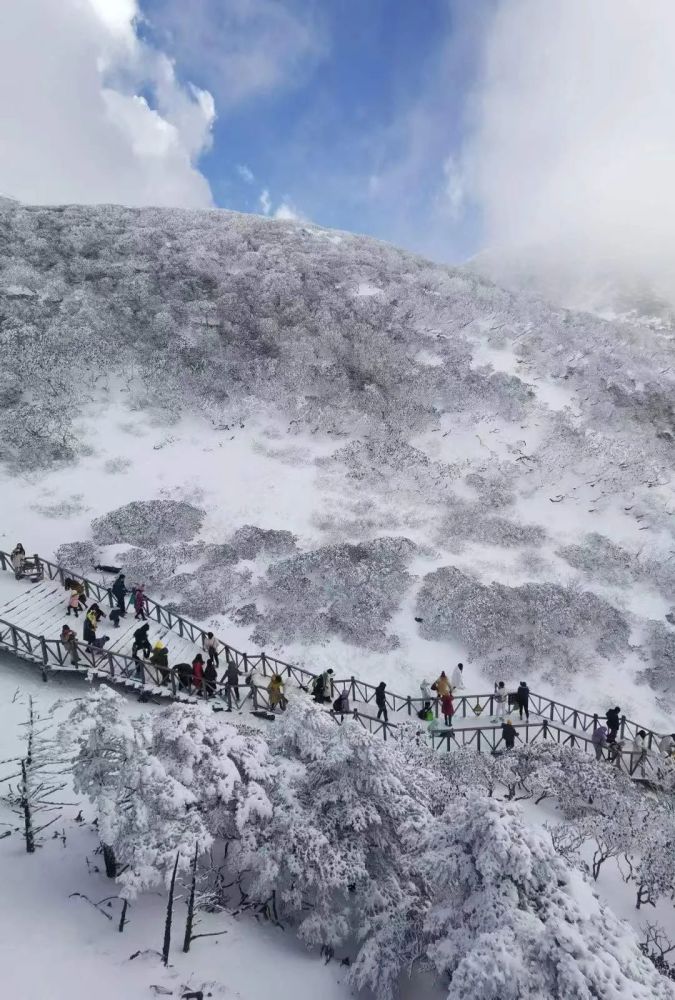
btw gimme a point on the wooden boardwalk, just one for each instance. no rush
(35, 612)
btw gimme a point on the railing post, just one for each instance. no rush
(623, 725)
(545, 728)
(596, 720)
(352, 688)
(111, 663)
(478, 746)
(409, 701)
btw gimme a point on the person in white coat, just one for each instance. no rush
(667, 745)
(639, 752)
(457, 681)
(501, 700)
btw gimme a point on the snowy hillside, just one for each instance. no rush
(345, 454)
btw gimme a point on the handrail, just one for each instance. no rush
(557, 712)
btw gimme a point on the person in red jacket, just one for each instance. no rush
(448, 707)
(198, 672)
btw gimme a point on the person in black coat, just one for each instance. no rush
(141, 641)
(119, 591)
(381, 701)
(523, 699)
(232, 677)
(509, 734)
(210, 680)
(613, 722)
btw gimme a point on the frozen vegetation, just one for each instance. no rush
(311, 468)
(390, 859)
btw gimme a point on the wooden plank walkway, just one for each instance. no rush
(33, 616)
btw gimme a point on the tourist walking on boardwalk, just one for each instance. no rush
(639, 752)
(426, 712)
(69, 640)
(275, 689)
(141, 642)
(458, 677)
(599, 741)
(140, 603)
(667, 745)
(322, 689)
(77, 586)
(523, 699)
(427, 693)
(119, 592)
(509, 734)
(441, 685)
(448, 708)
(613, 722)
(211, 679)
(341, 703)
(198, 672)
(381, 701)
(160, 659)
(232, 678)
(501, 698)
(210, 646)
(73, 604)
(18, 558)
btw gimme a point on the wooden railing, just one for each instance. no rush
(51, 653)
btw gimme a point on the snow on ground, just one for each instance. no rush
(261, 474)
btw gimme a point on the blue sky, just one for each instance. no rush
(346, 111)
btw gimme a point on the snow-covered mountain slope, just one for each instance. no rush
(344, 453)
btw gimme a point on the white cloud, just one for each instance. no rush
(243, 48)
(265, 202)
(452, 198)
(77, 125)
(245, 173)
(574, 145)
(289, 213)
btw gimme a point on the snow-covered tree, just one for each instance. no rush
(35, 778)
(510, 920)
(148, 819)
(226, 768)
(105, 740)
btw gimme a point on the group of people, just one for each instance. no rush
(202, 676)
(607, 746)
(322, 693)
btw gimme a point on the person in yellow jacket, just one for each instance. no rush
(275, 689)
(441, 686)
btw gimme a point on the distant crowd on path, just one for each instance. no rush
(608, 747)
(202, 676)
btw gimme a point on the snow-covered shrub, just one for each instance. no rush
(148, 522)
(494, 490)
(115, 465)
(250, 541)
(510, 920)
(661, 647)
(351, 591)
(600, 559)
(530, 625)
(467, 521)
(80, 557)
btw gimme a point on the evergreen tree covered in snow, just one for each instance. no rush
(510, 920)
(225, 768)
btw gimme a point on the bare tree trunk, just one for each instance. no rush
(169, 914)
(189, 920)
(123, 916)
(109, 860)
(27, 815)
